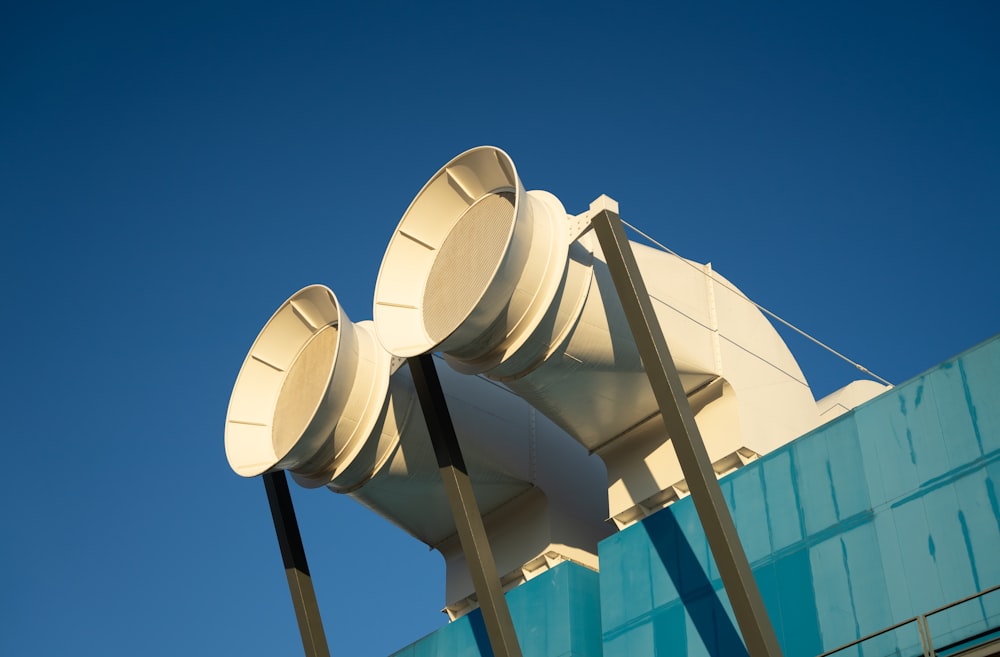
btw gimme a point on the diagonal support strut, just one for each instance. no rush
(464, 508)
(293, 555)
(748, 605)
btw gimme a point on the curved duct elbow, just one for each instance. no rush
(498, 280)
(320, 397)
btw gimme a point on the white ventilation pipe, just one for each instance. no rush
(498, 280)
(318, 396)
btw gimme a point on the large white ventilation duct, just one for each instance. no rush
(498, 280)
(318, 396)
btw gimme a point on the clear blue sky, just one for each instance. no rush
(170, 172)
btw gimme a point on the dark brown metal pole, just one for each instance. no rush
(464, 508)
(751, 615)
(293, 555)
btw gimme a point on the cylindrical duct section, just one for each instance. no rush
(499, 294)
(320, 397)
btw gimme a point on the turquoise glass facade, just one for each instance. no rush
(557, 614)
(884, 513)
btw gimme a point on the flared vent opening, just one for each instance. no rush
(283, 381)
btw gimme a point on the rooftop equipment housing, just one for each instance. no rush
(503, 282)
(506, 285)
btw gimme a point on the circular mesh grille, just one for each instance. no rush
(465, 263)
(303, 390)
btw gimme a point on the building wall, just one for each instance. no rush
(556, 614)
(887, 512)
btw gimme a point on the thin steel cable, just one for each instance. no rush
(728, 339)
(761, 308)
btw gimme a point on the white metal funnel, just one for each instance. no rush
(473, 263)
(310, 389)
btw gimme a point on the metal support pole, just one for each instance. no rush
(925, 636)
(758, 633)
(464, 508)
(293, 555)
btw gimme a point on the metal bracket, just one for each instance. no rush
(582, 223)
